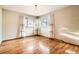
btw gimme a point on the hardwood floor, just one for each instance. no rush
(37, 45)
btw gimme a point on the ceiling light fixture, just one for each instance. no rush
(36, 9)
(35, 6)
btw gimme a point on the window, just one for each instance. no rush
(27, 26)
(32, 25)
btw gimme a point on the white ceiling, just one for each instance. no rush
(30, 9)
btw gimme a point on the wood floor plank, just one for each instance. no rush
(37, 45)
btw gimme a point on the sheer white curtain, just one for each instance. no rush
(45, 26)
(27, 26)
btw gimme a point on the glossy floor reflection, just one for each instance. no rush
(37, 45)
(34, 45)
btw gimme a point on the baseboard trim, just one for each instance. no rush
(38, 35)
(65, 42)
(18, 38)
(12, 39)
(45, 36)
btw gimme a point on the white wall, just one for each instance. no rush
(0, 24)
(10, 24)
(67, 20)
